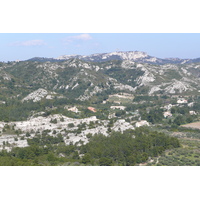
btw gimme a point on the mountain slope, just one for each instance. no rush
(136, 56)
(81, 80)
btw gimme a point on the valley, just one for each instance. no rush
(121, 109)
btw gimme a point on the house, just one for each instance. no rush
(92, 109)
(167, 114)
(192, 112)
(190, 104)
(182, 100)
(142, 123)
(73, 109)
(118, 107)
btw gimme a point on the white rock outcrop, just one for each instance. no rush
(36, 95)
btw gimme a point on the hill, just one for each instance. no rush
(79, 111)
(81, 80)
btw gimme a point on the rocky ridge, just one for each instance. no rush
(137, 56)
(82, 80)
(36, 125)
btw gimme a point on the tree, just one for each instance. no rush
(179, 120)
(173, 110)
(119, 113)
(131, 160)
(51, 158)
(71, 125)
(54, 121)
(75, 155)
(86, 158)
(189, 119)
(28, 134)
(105, 161)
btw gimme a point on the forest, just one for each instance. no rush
(128, 149)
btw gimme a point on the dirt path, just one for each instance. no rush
(195, 125)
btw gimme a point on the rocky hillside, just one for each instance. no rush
(60, 106)
(83, 80)
(136, 56)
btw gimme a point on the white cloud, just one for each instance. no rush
(29, 43)
(81, 37)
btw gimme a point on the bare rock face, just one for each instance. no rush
(128, 55)
(38, 95)
(137, 56)
(179, 86)
(36, 125)
(122, 125)
(145, 79)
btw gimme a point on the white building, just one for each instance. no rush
(167, 114)
(190, 104)
(142, 123)
(192, 112)
(73, 109)
(118, 107)
(182, 100)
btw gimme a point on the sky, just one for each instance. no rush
(22, 46)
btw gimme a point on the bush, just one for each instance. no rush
(71, 125)
(54, 121)
(28, 134)
(105, 161)
(86, 158)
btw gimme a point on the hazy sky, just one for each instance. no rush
(17, 46)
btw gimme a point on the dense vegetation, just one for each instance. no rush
(127, 76)
(130, 148)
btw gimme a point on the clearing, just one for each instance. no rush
(195, 125)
